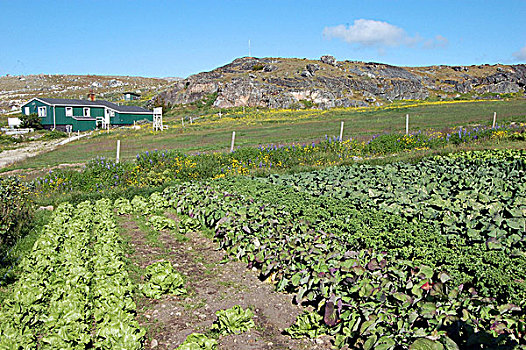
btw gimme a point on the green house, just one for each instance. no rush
(73, 115)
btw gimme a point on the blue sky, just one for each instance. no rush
(179, 38)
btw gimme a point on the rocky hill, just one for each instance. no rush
(15, 90)
(326, 83)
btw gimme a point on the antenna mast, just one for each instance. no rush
(249, 54)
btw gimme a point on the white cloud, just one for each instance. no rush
(368, 33)
(371, 33)
(521, 54)
(441, 40)
(438, 41)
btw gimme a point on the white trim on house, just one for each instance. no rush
(84, 118)
(42, 112)
(86, 112)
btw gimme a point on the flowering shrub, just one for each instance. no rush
(98, 175)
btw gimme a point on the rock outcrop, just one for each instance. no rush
(326, 83)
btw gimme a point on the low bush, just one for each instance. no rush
(15, 210)
(31, 121)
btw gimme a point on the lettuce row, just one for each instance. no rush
(73, 291)
(114, 308)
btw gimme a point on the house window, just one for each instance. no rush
(26, 111)
(87, 112)
(42, 112)
(69, 111)
(112, 114)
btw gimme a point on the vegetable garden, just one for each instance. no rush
(425, 255)
(390, 255)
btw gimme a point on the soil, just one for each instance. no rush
(214, 283)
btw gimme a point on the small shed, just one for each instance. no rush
(14, 122)
(131, 96)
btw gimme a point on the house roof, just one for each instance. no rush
(131, 93)
(97, 103)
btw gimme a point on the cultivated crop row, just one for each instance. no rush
(73, 291)
(378, 279)
(475, 202)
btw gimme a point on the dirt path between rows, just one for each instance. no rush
(212, 286)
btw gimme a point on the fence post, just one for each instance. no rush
(341, 132)
(182, 121)
(494, 120)
(233, 140)
(407, 124)
(118, 151)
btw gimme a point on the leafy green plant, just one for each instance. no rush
(233, 321)
(157, 201)
(308, 324)
(473, 221)
(160, 223)
(188, 224)
(198, 341)
(444, 343)
(123, 206)
(140, 205)
(161, 278)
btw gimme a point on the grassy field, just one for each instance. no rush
(255, 127)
